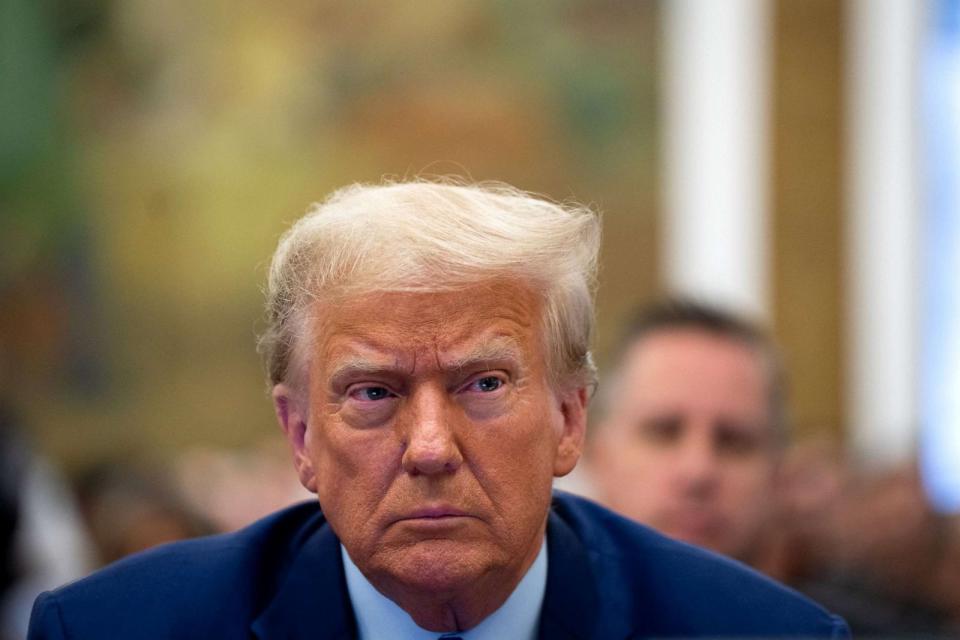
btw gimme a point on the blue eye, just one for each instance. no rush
(371, 393)
(488, 384)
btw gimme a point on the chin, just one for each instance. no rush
(440, 565)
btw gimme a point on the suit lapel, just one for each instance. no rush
(571, 603)
(312, 601)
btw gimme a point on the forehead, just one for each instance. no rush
(694, 367)
(405, 325)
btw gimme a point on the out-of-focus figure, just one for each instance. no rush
(691, 427)
(869, 545)
(691, 439)
(43, 542)
(232, 488)
(131, 507)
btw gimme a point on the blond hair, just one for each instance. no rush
(430, 236)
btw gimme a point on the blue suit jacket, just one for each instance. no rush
(282, 577)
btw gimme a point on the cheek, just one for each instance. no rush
(638, 462)
(748, 506)
(504, 462)
(629, 476)
(351, 468)
(513, 459)
(750, 485)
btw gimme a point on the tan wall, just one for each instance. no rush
(807, 211)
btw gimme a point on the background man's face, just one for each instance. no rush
(687, 446)
(432, 436)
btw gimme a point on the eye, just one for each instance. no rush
(661, 430)
(488, 384)
(737, 441)
(484, 384)
(371, 393)
(487, 394)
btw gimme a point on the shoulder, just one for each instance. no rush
(671, 588)
(233, 573)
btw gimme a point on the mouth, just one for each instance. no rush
(439, 519)
(434, 512)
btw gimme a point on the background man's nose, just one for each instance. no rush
(697, 466)
(430, 443)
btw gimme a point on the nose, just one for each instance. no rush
(430, 444)
(697, 469)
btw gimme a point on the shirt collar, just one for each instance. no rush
(379, 617)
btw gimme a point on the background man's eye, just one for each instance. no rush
(489, 383)
(661, 430)
(737, 442)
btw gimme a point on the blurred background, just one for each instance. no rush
(796, 160)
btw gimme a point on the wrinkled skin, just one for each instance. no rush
(687, 446)
(431, 437)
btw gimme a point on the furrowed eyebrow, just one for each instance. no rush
(359, 366)
(495, 350)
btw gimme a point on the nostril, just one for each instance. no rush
(430, 458)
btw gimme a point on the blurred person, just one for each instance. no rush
(133, 507)
(232, 488)
(428, 350)
(43, 540)
(877, 552)
(691, 427)
(812, 480)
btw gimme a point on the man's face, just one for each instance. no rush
(687, 446)
(431, 435)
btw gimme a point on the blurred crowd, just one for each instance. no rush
(55, 528)
(869, 546)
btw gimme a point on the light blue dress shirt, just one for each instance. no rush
(379, 618)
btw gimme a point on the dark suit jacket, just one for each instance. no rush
(282, 577)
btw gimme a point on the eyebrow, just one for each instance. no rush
(360, 365)
(496, 349)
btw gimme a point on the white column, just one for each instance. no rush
(881, 234)
(715, 122)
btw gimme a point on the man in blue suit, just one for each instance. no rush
(428, 346)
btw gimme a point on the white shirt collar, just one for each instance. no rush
(379, 617)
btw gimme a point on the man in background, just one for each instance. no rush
(691, 427)
(690, 440)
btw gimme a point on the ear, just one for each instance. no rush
(573, 409)
(292, 416)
